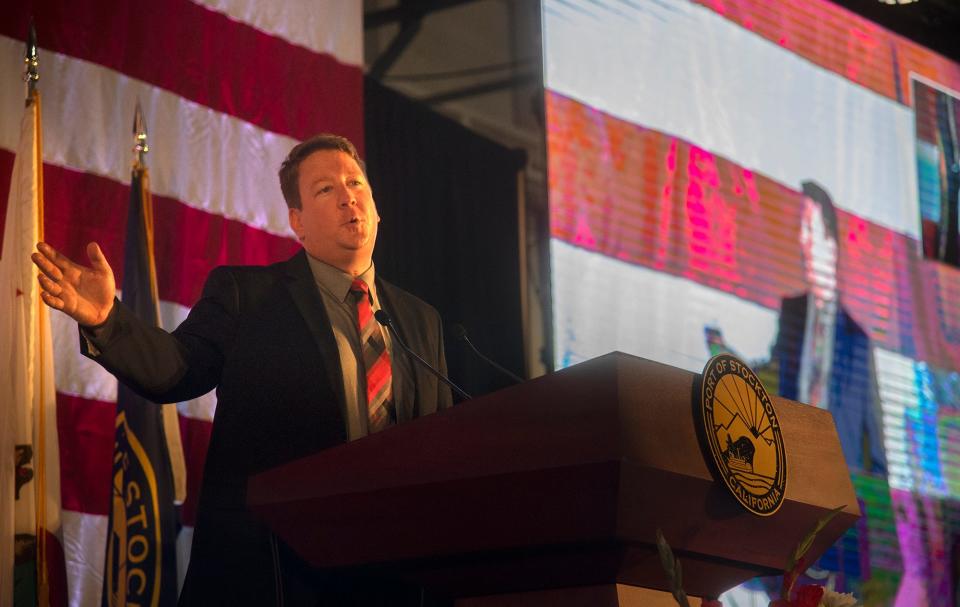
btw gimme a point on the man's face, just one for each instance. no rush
(337, 221)
(819, 252)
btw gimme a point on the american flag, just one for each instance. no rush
(227, 88)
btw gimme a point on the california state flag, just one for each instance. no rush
(31, 554)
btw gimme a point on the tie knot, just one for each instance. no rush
(358, 286)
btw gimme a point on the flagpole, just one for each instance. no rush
(140, 149)
(32, 77)
(140, 146)
(31, 73)
(171, 425)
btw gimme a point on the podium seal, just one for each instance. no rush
(743, 433)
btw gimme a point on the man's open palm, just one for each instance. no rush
(85, 293)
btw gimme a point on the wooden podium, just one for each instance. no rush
(550, 493)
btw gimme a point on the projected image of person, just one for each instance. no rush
(823, 355)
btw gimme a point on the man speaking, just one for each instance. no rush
(297, 359)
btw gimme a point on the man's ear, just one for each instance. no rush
(293, 216)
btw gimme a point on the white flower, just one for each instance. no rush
(836, 599)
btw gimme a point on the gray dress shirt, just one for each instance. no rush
(334, 287)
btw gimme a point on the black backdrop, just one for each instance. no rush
(447, 199)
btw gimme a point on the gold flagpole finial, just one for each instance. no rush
(140, 147)
(30, 74)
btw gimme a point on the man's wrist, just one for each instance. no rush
(93, 337)
(93, 330)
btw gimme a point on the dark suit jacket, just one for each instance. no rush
(851, 386)
(853, 404)
(261, 336)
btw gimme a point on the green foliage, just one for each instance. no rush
(803, 546)
(671, 565)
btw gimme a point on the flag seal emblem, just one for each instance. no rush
(134, 544)
(743, 434)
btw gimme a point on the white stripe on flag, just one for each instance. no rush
(632, 295)
(202, 407)
(84, 541)
(184, 543)
(328, 27)
(77, 374)
(206, 159)
(685, 70)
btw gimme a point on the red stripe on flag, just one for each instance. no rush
(195, 435)
(86, 430)
(684, 211)
(82, 207)
(206, 57)
(86, 453)
(56, 570)
(189, 243)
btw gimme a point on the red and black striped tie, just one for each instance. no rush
(376, 361)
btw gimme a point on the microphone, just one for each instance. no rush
(384, 319)
(460, 333)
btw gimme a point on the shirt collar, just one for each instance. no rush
(337, 282)
(827, 309)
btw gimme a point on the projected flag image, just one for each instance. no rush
(776, 181)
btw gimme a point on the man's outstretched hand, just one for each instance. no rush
(84, 293)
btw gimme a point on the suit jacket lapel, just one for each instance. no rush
(405, 385)
(303, 289)
(793, 318)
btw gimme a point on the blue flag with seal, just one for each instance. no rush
(141, 566)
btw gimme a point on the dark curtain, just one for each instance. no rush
(447, 199)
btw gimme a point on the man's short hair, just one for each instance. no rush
(815, 192)
(290, 169)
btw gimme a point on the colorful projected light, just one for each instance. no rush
(774, 180)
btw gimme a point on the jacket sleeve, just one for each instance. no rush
(170, 367)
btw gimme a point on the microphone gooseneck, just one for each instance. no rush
(461, 334)
(384, 319)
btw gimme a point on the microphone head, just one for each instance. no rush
(458, 331)
(382, 317)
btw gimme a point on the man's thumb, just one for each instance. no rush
(97, 259)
